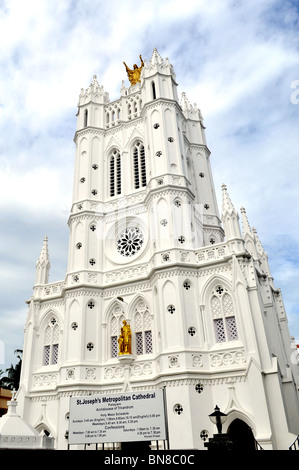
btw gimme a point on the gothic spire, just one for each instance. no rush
(230, 217)
(245, 223)
(43, 264)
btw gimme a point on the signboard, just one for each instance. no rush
(123, 417)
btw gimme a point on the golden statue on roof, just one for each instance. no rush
(134, 75)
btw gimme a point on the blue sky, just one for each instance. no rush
(237, 60)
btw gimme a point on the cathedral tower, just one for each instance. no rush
(148, 246)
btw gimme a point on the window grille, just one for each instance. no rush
(114, 346)
(219, 330)
(46, 355)
(55, 354)
(232, 332)
(139, 343)
(148, 342)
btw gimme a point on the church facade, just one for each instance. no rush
(149, 247)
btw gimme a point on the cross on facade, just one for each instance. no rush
(178, 409)
(181, 239)
(89, 346)
(90, 304)
(219, 290)
(204, 435)
(171, 309)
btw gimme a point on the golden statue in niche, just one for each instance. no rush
(125, 339)
(134, 75)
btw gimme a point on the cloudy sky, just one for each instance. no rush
(236, 59)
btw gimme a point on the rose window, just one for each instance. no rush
(130, 241)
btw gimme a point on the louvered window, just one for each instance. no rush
(115, 173)
(139, 165)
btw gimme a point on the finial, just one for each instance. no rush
(245, 223)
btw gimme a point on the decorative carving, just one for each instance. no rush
(227, 358)
(90, 373)
(130, 241)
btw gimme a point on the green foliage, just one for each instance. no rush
(12, 379)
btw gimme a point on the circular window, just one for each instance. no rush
(126, 240)
(130, 241)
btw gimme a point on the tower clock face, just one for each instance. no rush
(130, 241)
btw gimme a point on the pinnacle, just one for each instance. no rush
(156, 58)
(44, 255)
(227, 204)
(245, 223)
(259, 245)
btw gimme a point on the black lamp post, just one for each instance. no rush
(218, 418)
(219, 441)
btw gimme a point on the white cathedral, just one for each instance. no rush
(148, 245)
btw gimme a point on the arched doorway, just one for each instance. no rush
(241, 435)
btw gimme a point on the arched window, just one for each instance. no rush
(223, 315)
(154, 90)
(85, 118)
(142, 322)
(51, 343)
(139, 165)
(115, 325)
(115, 173)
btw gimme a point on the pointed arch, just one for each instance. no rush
(85, 118)
(153, 85)
(50, 336)
(114, 317)
(139, 164)
(142, 326)
(240, 431)
(114, 168)
(220, 306)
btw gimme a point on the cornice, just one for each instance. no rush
(89, 130)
